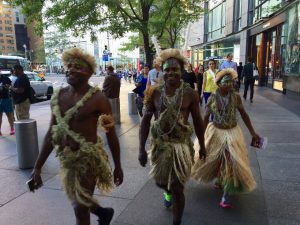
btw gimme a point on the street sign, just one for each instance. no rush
(105, 58)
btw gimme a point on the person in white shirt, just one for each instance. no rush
(155, 74)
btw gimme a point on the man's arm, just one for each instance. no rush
(198, 123)
(144, 129)
(113, 141)
(47, 148)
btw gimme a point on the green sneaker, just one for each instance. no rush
(167, 199)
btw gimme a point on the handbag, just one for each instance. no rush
(255, 72)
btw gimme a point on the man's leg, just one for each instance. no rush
(167, 195)
(246, 85)
(10, 118)
(252, 89)
(22, 110)
(178, 199)
(1, 114)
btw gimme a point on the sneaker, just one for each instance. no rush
(167, 200)
(105, 216)
(12, 132)
(225, 205)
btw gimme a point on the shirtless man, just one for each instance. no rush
(172, 152)
(73, 134)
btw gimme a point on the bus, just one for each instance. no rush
(8, 62)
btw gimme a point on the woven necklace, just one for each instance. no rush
(171, 103)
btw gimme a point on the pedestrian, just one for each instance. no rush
(111, 85)
(155, 74)
(73, 134)
(228, 63)
(6, 105)
(21, 93)
(249, 79)
(227, 159)
(239, 71)
(189, 77)
(12, 77)
(209, 76)
(134, 75)
(199, 77)
(171, 151)
(141, 85)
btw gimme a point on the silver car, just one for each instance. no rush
(39, 87)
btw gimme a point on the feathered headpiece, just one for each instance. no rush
(79, 53)
(171, 53)
(222, 73)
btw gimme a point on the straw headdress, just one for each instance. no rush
(79, 53)
(171, 53)
(228, 71)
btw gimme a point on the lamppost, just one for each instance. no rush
(25, 51)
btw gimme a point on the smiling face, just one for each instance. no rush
(78, 72)
(172, 71)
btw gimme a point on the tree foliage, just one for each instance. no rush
(147, 17)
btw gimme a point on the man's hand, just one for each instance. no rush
(143, 157)
(37, 179)
(118, 176)
(255, 140)
(202, 154)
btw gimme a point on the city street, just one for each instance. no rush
(275, 201)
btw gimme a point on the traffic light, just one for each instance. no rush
(105, 47)
(56, 50)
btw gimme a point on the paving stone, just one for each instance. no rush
(49, 207)
(281, 169)
(283, 199)
(13, 184)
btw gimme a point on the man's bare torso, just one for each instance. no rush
(84, 120)
(187, 101)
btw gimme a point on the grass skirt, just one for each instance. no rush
(226, 160)
(86, 167)
(171, 159)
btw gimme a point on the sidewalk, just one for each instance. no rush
(139, 202)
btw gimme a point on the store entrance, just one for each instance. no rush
(273, 59)
(265, 50)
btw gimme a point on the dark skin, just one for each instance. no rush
(224, 90)
(84, 123)
(190, 104)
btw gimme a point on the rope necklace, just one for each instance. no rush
(171, 102)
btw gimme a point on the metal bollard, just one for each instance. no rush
(27, 142)
(115, 107)
(132, 110)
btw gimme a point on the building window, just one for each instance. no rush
(216, 22)
(8, 28)
(260, 9)
(1, 35)
(17, 17)
(10, 41)
(8, 22)
(237, 15)
(1, 41)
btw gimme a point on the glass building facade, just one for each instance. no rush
(267, 30)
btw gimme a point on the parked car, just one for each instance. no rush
(40, 87)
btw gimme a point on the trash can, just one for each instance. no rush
(115, 107)
(27, 142)
(132, 110)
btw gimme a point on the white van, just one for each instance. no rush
(40, 87)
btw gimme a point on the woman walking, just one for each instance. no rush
(209, 86)
(227, 159)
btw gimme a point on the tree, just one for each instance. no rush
(115, 16)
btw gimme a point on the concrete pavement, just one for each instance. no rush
(138, 201)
